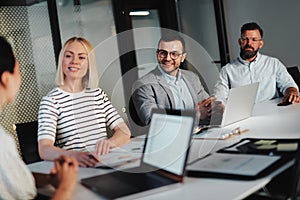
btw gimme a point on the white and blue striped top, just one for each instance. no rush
(76, 120)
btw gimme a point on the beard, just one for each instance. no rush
(247, 54)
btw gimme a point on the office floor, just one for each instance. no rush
(277, 189)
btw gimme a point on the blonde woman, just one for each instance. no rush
(73, 116)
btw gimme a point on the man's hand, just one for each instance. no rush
(291, 95)
(205, 107)
(209, 107)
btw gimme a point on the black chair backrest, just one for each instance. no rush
(27, 135)
(294, 72)
(133, 113)
(136, 125)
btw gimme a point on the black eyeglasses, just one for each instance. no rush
(250, 39)
(163, 54)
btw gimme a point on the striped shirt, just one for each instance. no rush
(76, 120)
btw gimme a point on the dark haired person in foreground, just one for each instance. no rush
(16, 181)
(252, 66)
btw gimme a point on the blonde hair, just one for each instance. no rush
(90, 80)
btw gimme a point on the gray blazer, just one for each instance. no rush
(152, 91)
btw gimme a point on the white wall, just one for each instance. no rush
(94, 20)
(278, 18)
(197, 19)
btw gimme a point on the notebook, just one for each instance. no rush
(238, 107)
(163, 161)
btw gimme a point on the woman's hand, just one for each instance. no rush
(104, 146)
(84, 159)
(64, 177)
(65, 171)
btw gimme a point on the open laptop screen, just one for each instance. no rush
(238, 107)
(168, 140)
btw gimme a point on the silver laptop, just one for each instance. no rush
(238, 107)
(163, 161)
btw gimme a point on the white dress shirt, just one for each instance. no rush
(268, 71)
(183, 98)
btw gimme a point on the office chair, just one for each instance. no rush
(133, 113)
(286, 186)
(27, 135)
(294, 72)
(136, 125)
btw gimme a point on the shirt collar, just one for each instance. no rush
(241, 60)
(170, 78)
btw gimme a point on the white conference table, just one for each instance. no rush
(268, 121)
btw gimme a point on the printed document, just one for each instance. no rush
(236, 164)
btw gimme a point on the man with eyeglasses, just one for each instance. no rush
(252, 66)
(169, 87)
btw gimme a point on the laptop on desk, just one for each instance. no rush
(163, 161)
(238, 107)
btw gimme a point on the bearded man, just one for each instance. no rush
(252, 66)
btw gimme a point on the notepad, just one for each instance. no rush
(248, 159)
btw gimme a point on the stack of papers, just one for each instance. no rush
(119, 156)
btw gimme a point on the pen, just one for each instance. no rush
(234, 132)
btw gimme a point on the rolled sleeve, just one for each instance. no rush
(47, 120)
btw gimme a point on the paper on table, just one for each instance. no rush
(120, 155)
(235, 147)
(236, 164)
(211, 133)
(219, 133)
